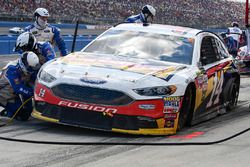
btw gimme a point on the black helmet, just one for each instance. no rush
(148, 9)
(25, 42)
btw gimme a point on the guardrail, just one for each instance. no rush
(7, 42)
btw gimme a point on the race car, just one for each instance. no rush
(16, 30)
(243, 59)
(139, 79)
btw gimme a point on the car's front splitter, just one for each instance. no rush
(140, 131)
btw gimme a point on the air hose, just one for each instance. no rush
(11, 119)
(129, 143)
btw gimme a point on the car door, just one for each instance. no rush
(213, 62)
(230, 72)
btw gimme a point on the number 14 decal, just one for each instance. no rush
(217, 89)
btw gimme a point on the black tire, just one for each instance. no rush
(23, 114)
(23, 117)
(186, 112)
(233, 96)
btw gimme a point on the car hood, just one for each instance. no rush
(132, 69)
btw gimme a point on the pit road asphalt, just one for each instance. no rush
(231, 153)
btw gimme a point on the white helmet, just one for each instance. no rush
(29, 62)
(41, 15)
(25, 42)
(148, 9)
(41, 12)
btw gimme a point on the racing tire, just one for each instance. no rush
(233, 96)
(186, 111)
(23, 114)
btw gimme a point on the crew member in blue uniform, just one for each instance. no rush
(16, 85)
(45, 32)
(27, 42)
(146, 16)
(234, 38)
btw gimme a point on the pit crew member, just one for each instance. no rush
(16, 85)
(146, 16)
(45, 32)
(234, 38)
(27, 42)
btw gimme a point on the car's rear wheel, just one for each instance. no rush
(186, 112)
(233, 96)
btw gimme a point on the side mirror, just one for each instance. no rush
(201, 68)
(204, 60)
(199, 65)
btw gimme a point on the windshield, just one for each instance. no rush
(144, 45)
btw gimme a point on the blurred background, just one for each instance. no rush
(95, 16)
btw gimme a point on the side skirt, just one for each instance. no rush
(212, 113)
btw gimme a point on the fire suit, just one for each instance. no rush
(44, 51)
(236, 35)
(136, 19)
(49, 34)
(15, 88)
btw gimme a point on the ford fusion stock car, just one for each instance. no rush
(137, 79)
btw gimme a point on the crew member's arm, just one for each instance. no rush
(14, 77)
(59, 41)
(48, 51)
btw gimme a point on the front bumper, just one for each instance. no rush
(134, 118)
(101, 121)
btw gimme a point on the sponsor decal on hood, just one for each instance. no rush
(143, 67)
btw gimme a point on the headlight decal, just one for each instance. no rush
(156, 91)
(46, 77)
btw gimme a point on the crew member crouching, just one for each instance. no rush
(16, 85)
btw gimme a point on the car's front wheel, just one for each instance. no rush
(186, 112)
(233, 96)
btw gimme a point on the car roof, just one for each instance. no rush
(160, 29)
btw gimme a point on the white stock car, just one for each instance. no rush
(138, 79)
(243, 60)
(16, 30)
